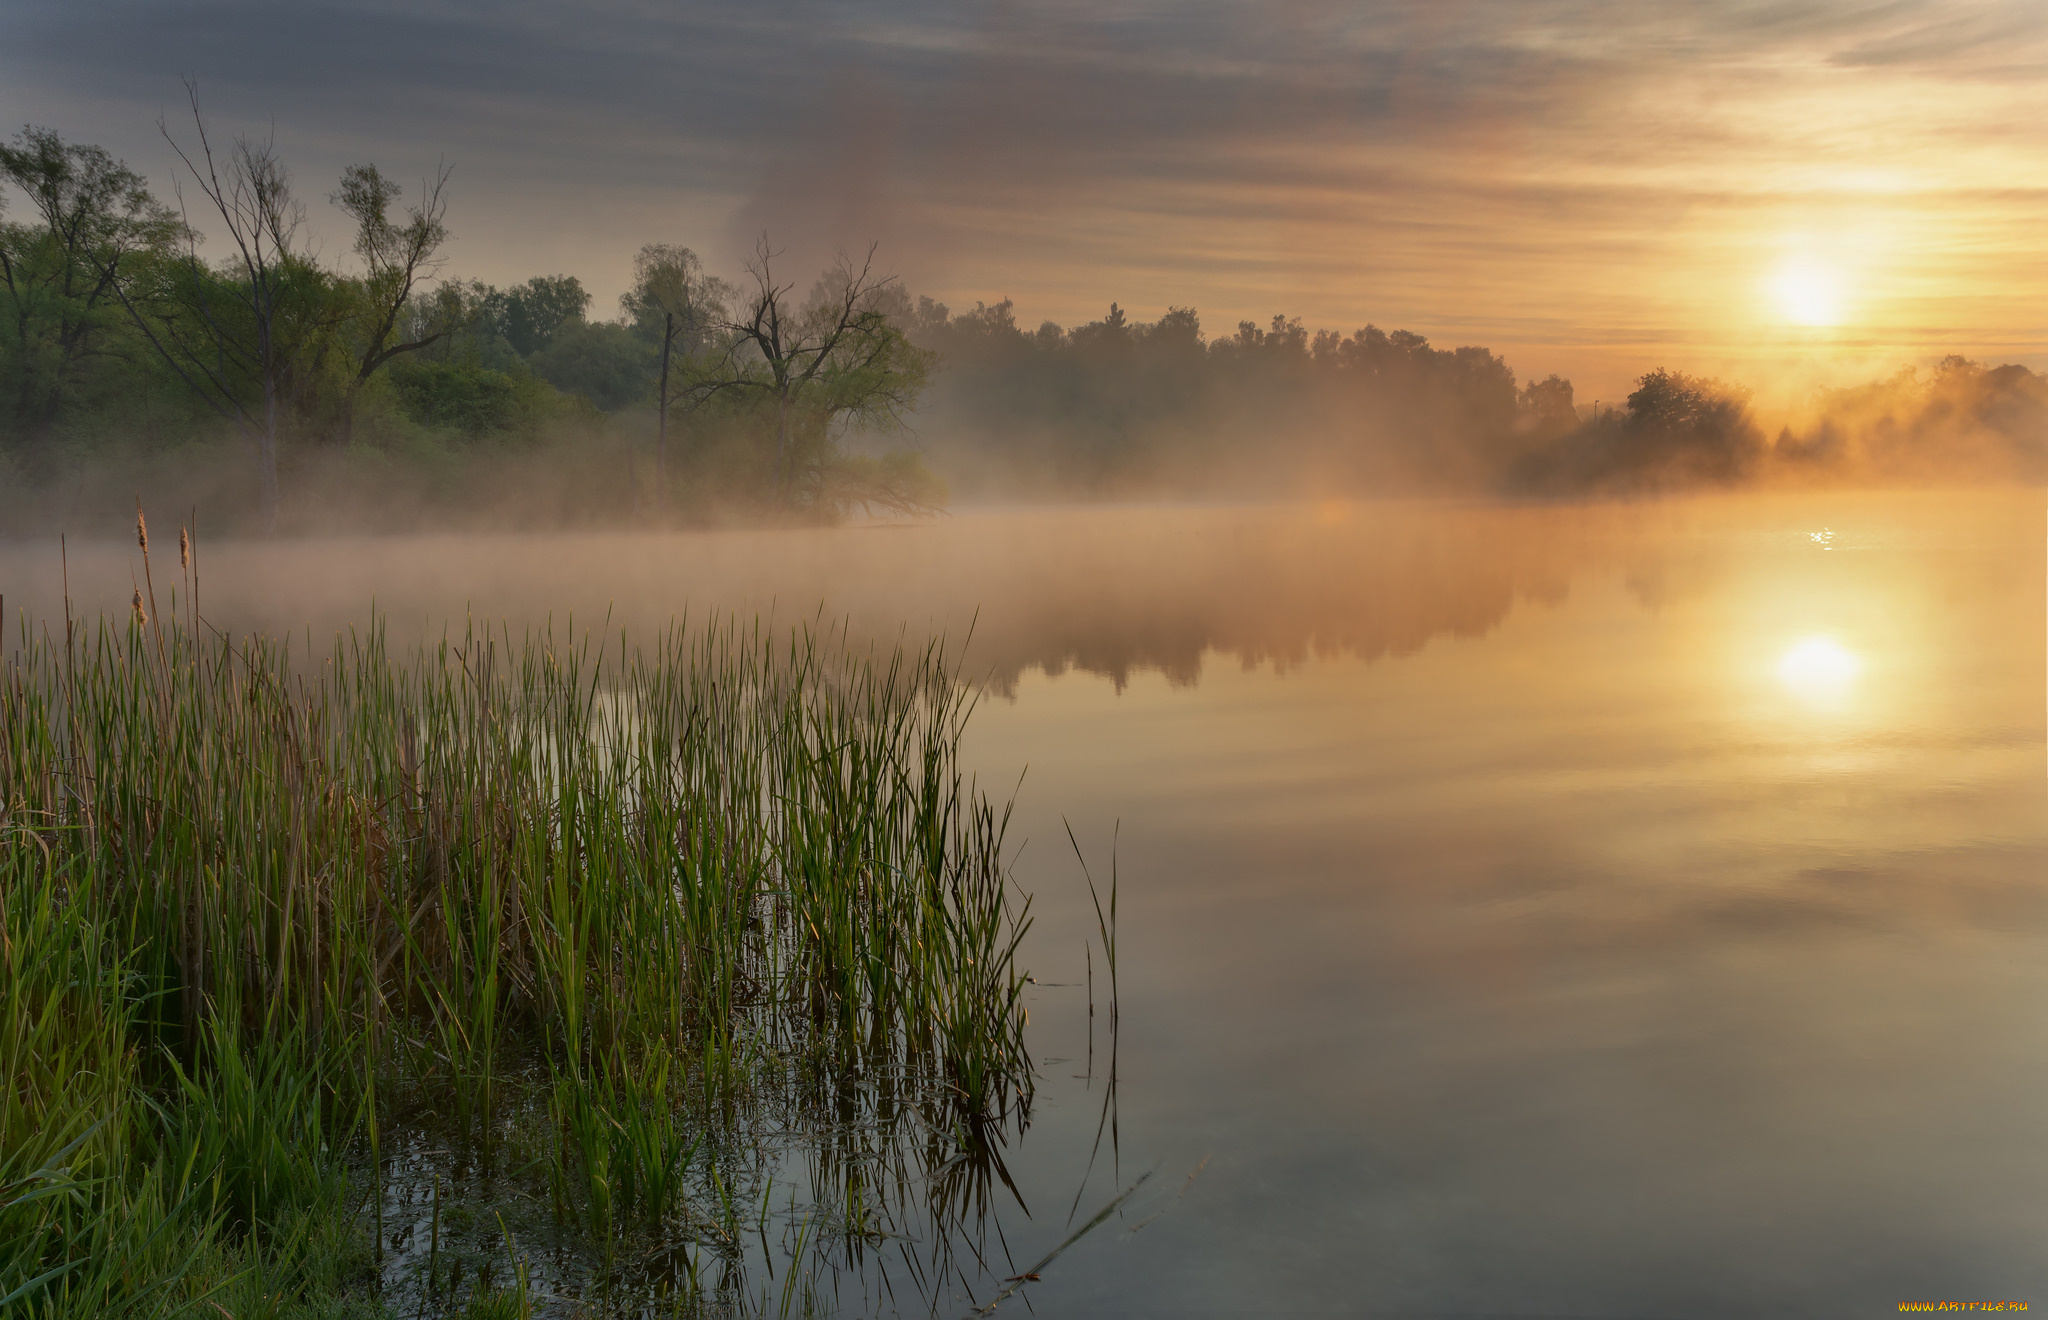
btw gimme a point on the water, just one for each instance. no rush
(1624, 911)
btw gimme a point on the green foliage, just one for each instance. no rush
(607, 364)
(460, 319)
(260, 912)
(470, 399)
(624, 1148)
(62, 330)
(897, 482)
(123, 350)
(250, 1126)
(1119, 403)
(835, 363)
(498, 1304)
(530, 315)
(672, 297)
(107, 1207)
(396, 257)
(124, 353)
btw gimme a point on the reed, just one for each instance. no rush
(265, 908)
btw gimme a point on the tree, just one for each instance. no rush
(1546, 406)
(605, 363)
(837, 359)
(59, 279)
(1691, 428)
(676, 304)
(240, 329)
(397, 258)
(530, 314)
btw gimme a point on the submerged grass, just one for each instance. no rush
(583, 912)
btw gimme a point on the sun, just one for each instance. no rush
(1819, 668)
(1808, 292)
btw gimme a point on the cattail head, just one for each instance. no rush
(141, 615)
(184, 548)
(141, 529)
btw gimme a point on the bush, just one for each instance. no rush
(606, 364)
(469, 398)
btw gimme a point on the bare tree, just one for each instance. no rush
(201, 340)
(838, 356)
(397, 259)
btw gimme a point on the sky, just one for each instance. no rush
(1791, 194)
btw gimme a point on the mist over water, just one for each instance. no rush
(1109, 590)
(1592, 910)
(1464, 587)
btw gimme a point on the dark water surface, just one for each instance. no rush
(1618, 911)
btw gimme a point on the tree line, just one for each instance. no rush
(1121, 405)
(136, 333)
(132, 323)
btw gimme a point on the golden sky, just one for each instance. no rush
(1787, 193)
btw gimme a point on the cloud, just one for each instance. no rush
(1995, 40)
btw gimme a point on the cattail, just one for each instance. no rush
(184, 549)
(141, 616)
(141, 529)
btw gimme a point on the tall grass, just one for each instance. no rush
(267, 909)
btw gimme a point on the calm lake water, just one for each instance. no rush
(1604, 911)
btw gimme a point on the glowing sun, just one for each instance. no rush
(1819, 667)
(1808, 292)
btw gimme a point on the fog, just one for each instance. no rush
(1113, 590)
(1120, 407)
(265, 384)
(1958, 420)
(1504, 540)
(1110, 411)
